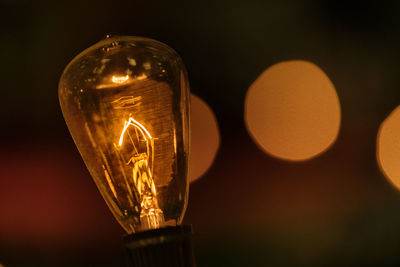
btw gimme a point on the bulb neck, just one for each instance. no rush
(163, 247)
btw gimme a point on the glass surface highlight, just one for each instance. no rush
(126, 104)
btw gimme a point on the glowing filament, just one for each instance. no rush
(142, 175)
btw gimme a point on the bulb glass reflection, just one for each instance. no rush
(125, 101)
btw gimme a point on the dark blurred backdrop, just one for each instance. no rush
(249, 209)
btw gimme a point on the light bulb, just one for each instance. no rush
(126, 103)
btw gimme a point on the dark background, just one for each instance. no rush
(249, 209)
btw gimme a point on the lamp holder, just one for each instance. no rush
(163, 247)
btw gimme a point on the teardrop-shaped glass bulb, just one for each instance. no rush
(125, 101)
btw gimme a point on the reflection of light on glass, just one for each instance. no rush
(151, 215)
(151, 157)
(147, 65)
(292, 111)
(388, 147)
(132, 61)
(119, 79)
(126, 102)
(141, 77)
(204, 138)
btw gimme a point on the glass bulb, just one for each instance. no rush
(126, 103)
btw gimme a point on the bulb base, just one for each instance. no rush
(164, 247)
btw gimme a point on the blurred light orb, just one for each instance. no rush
(292, 111)
(205, 138)
(388, 147)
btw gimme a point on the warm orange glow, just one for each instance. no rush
(119, 79)
(127, 111)
(205, 138)
(141, 77)
(388, 147)
(142, 174)
(136, 124)
(292, 111)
